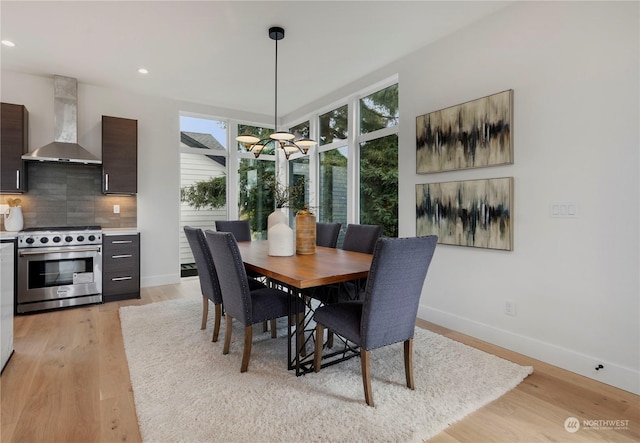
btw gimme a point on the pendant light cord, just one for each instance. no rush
(275, 122)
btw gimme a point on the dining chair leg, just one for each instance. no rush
(227, 334)
(366, 376)
(317, 355)
(216, 322)
(265, 328)
(408, 362)
(205, 312)
(248, 340)
(329, 339)
(274, 331)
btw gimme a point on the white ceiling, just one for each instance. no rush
(219, 53)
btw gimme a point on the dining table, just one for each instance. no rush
(297, 274)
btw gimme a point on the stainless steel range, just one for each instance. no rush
(59, 267)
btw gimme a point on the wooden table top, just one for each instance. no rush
(326, 266)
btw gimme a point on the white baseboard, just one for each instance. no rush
(612, 374)
(159, 280)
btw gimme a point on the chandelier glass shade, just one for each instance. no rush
(282, 140)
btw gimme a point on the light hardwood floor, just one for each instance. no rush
(68, 381)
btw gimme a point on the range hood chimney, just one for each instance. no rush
(65, 147)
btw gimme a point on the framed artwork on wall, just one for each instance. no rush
(474, 134)
(475, 213)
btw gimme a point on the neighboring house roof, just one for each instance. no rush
(204, 141)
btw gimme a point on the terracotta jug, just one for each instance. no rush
(305, 232)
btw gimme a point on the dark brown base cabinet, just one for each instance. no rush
(14, 141)
(120, 267)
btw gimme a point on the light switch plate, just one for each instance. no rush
(4, 208)
(563, 210)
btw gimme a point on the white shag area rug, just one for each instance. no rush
(186, 391)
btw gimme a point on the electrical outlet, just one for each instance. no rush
(510, 308)
(4, 208)
(116, 209)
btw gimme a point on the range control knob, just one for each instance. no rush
(29, 240)
(44, 240)
(80, 238)
(92, 237)
(56, 239)
(68, 239)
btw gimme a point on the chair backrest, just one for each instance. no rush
(231, 275)
(240, 229)
(327, 234)
(361, 238)
(204, 263)
(392, 294)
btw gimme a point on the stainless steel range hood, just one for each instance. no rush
(65, 147)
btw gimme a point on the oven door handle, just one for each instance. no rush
(54, 251)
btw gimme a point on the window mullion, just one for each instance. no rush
(232, 171)
(353, 168)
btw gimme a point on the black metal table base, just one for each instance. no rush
(301, 339)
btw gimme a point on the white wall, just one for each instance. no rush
(573, 67)
(574, 71)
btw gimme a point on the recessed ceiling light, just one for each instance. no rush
(8, 43)
(143, 71)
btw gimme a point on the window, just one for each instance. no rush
(301, 131)
(379, 184)
(333, 186)
(334, 126)
(298, 172)
(379, 110)
(255, 201)
(358, 172)
(203, 179)
(333, 167)
(378, 159)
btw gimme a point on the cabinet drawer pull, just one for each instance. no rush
(122, 256)
(17, 179)
(106, 182)
(121, 242)
(121, 278)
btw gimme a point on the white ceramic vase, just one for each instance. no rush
(277, 216)
(13, 220)
(280, 238)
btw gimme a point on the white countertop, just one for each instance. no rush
(7, 235)
(120, 231)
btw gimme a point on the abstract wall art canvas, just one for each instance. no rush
(474, 213)
(474, 134)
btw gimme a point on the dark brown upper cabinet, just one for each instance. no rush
(119, 155)
(14, 141)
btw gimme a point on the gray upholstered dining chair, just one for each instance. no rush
(387, 314)
(245, 305)
(361, 238)
(209, 285)
(241, 229)
(327, 234)
(357, 238)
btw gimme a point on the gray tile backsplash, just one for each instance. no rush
(70, 195)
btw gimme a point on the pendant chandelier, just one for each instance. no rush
(280, 139)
